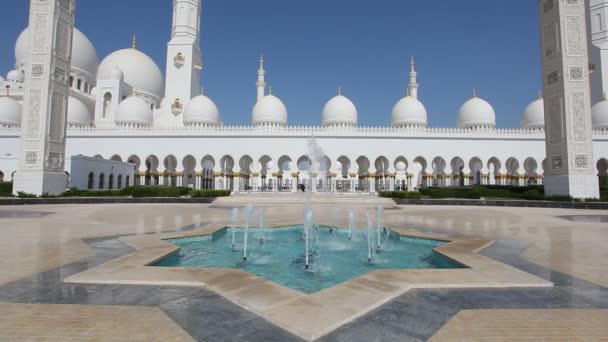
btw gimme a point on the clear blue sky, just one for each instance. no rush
(314, 46)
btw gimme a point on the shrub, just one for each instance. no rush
(22, 194)
(6, 189)
(400, 194)
(156, 191)
(210, 193)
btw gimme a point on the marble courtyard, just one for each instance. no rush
(79, 272)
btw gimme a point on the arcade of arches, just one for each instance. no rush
(344, 174)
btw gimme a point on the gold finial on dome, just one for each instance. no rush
(340, 91)
(540, 95)
(261, 61)
(270, 90)
(134, 42)
(474, 92)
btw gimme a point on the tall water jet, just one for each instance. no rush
(247, 214)
(308, 224)
(352, 219)
(262, 224)
(380, 222)
(235, 223)
(370, 243)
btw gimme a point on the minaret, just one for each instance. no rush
(413, 86)
(597, 31)
(184, 53)
(261, 84)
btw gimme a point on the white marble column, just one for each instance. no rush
(565, 63)
(43, 128)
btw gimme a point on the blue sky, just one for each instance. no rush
(314, 46)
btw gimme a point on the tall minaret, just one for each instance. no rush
(597, 30)
(261, 84)
(413, 86)
(184, 53)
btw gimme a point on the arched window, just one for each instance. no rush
(71, 81)
(119, 185)
(91, 183)
(102, 181)
(128, 181)
(107, 104)
(111, 182)
(79, 84)
(1, 177)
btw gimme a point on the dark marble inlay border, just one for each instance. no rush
(23, 214)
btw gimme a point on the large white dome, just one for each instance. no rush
(599, 115)
(340, 111)
(201, 110)
(84, 55)
(533, 117)
(476, 112)
(10, 112)
(134, 111)
(270, 110)
(140, 71)
(78, 113)
(409, 111)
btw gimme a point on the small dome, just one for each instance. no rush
(10, 112)
(117, 74)
(599, 115)
(340, 111)
(15, 76)
(201, 110)
(476, 112)
(270, 110)
(140, 71)
(84, 55)
(135, 111)
(78, 113)
(533, 117)
(409, 111)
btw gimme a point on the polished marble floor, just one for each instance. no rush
(37, 252)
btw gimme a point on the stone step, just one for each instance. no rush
(302, 198)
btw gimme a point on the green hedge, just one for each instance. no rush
(532, 193)
(210, 193)
(147, 191)
(400, 194)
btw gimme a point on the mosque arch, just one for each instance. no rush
(494, 168)
(602, 172)
(189, 173)
(102, 182)
(476, 167)
(531, 167)
(457, 165)
(419, 166)
(345, 163)
(227, 166)
(208, 173)
(364, 165)
(111, 181)
(170, 164)
(438, 166)
(512, 166)
(107, 105)
(119, 183)
(151, 174)
(91, 181)
(127, 181)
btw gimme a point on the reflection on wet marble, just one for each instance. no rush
(23, 214)
(587, 218)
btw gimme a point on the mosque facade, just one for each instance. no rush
(124, 109)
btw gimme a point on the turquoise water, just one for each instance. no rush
(278, 255)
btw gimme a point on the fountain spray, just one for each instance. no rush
(379, 221)
(261, 218)
(351, 223)
(248, 210)
(369, 237)
(235, 222)
(308, 223)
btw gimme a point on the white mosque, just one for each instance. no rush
(124, 109)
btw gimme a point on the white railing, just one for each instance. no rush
(305, 131)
